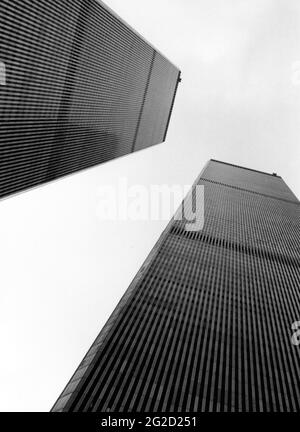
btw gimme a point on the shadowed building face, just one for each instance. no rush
(81, 88)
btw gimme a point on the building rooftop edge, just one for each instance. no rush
(135, 31)
(249, 169)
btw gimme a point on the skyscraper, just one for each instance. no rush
(206, 323)
(78, 87)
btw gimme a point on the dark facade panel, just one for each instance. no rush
(250, 180)
(206, 323)
(78, 80)
(247, 218)
(160, 92)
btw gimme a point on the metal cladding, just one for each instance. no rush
(206, 323)
(78, 87)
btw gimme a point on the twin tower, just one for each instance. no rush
(206, 324)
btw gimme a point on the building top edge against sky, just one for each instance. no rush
(136, 32)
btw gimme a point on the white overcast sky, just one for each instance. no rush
(63, 269)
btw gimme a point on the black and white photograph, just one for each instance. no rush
(149, 212)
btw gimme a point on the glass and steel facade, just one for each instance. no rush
(82, 88)
(206, 323)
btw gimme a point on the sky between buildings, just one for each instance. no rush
(63, 268)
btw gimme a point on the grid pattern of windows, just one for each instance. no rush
(81, 88)
(206, 323)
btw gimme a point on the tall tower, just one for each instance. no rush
(206, 323)
(78, 87)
